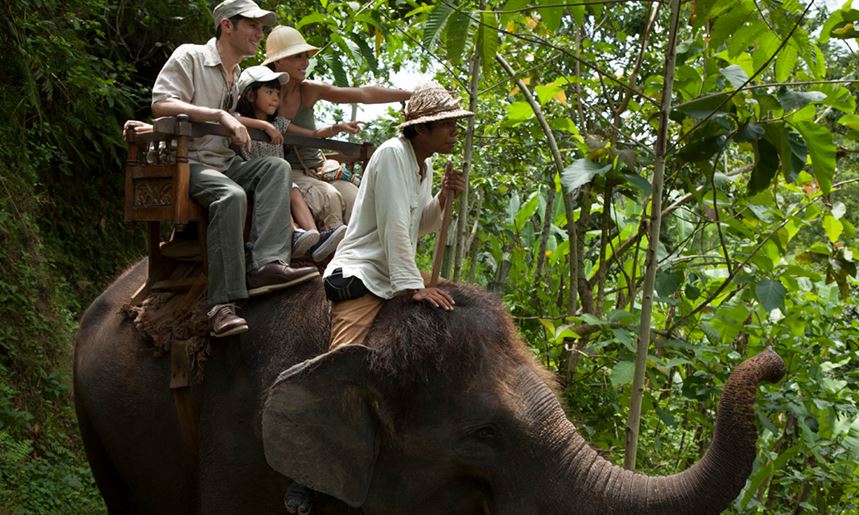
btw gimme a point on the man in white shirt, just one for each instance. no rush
(376, 260)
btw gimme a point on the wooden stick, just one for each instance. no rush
(442, 232)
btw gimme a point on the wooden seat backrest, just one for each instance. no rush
(157, 177)
(157, 171)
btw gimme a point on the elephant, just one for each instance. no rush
(437, 413)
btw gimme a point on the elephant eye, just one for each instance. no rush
(485, 433)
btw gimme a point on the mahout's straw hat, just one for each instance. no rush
(285, 41)
(246, 8)
(260, 73)
(431, 102)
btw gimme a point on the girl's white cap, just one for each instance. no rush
(260, 74)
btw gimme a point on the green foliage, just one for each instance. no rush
(757, 244)
(758, 235)
(74, 71)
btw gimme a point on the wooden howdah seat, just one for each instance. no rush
(156, 192)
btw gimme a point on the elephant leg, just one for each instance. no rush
(299, 499)
(117, 496)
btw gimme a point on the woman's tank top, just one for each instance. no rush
(309, 157)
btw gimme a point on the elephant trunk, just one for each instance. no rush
(709, 486)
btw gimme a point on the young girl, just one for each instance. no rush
(259, 90)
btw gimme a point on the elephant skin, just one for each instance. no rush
(440, 413)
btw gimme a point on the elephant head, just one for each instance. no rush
(449, 413)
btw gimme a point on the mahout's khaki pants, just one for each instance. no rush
(351, 319)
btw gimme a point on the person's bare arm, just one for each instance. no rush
(362, 95)
(174, 107)
(274, 135)
(326, 132)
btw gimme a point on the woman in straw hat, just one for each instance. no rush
(287, 51)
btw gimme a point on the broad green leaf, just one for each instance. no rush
(366, 51)
(851, 121)
(791, 149)
(727, 25)
(766, 166)
(419, 10)
(314, 18)
(487, 40)
(459, 29)
(665, 416)
(551, 16)
(578, 12)
(851, 439)
(547, 92)
(667, 282)
(845, 30)
(791, 100)
(526, 211)
(519, 111)
(743, 60)
(581, 172)
(548, 325)
(822, 150)
(702, 107)
(746, 36)
(622, 373)
(512, 5)
(435, 24)
(708, 10)
(820, 248)
(639, 182)
(566, 125)
(370, 21)
(785, 63)
(735, 75)
(833, 228)
(767, 44)
(335, 64)
(838, 97)
(513, 208)
(770, 294)
(750, 131)
(834, 19)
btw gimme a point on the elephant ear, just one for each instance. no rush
(319, 426)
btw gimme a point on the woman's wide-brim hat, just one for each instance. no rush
(283, 42)
(431, 102)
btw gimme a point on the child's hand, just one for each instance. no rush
(274, 135)
(350, 127)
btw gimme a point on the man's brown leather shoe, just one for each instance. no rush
(275, 276)
(223, 321)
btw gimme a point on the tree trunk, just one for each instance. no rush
(634, 420)
(462, 221)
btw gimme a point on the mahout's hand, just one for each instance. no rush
(435, 296)
(452, 181)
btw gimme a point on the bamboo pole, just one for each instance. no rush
(442, 232)
(634, 421)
